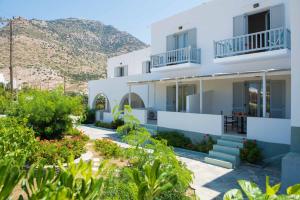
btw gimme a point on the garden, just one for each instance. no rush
(40, 147)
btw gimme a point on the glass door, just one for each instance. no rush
(254, 99)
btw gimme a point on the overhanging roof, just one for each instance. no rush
(212, 76)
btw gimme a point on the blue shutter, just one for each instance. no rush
(277, 99)
(277, 16)
(170, 42)
(238, 97)
(240, 25)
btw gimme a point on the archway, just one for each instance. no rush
(101, 102)
(136, 101)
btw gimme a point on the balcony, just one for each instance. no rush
(261, 42)
(175, 57)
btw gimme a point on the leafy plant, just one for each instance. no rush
(250, 152)
(52, 151)
(253, 192)
(48, 112)
(107, 148)
(152, 181)
(175, 139)
(10, 176)
(17, 141)
(89, 116)
(206, 144)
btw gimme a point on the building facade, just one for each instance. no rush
(221, 68)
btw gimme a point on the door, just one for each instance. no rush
(238, 97)
(171, 98)
(254, 97)
(277, 99)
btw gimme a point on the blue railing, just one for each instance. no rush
(178, 56)
(269, 40)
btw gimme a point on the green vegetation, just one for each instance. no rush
(47, 112)
(113, 125)
(17, 141)
(177, 139)
(5, 99)
(252, 192)
(53, 151)
(250, 152)
(107, 148)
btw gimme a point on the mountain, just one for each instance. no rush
(46, 51)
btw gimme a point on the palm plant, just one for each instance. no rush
(9, 178)
(152, 181)
(253, 192)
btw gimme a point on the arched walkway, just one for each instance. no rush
(101, 102)
(136, 101)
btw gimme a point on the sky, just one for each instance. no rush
(133, 16)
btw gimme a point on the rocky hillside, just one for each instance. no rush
(45, 51)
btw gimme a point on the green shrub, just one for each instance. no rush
(89, 116)
(113, 125)
(206, 144)
(250, 152)
(175, 139)
(252, 191)
(104, 125)
(48, 112)
(17, 141)
(52, 151)
(5, 99)
(73, 131)
(108, 148)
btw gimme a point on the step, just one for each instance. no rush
(225, 149)
(230, 143)
(226, 157)
(233, 138)
(217, 162)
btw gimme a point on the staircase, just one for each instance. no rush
(226, 153)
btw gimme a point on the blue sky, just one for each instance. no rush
(133, 16)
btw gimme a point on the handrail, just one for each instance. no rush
(278, 38)
(177, 56)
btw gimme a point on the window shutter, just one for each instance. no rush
(144, 67)
(277, 99)
(277, 16)
(116, 72)
(238, 97)
(240, 25)
(192, 38)
(125, 70)
(170, 42)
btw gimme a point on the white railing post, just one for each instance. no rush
(264, 87)
(177, 95)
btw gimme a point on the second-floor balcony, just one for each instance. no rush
(175, 57)
(269, 40)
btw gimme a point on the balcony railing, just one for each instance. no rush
(255, 42)
(178, 56)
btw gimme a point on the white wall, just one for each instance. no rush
(141, 115)
(295, 40)
(269, 130)
(202, 123)
(214, 21)
(108, 117)
(133, 60)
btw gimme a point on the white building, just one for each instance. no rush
(207, 64)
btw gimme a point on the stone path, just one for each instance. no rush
(210, 182)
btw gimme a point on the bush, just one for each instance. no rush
(52, 151)
(206, 144)
(175, 139)
(73, 131)
(250, 152)
(17, 141)
(113, 125)
(5, 99)
(48, 112)
(108, 148)
(89, 116)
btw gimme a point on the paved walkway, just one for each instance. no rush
(210, 182)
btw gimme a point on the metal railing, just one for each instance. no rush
(268, 40)
(178, 56)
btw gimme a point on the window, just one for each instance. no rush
(121, 71)
(146, 67)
